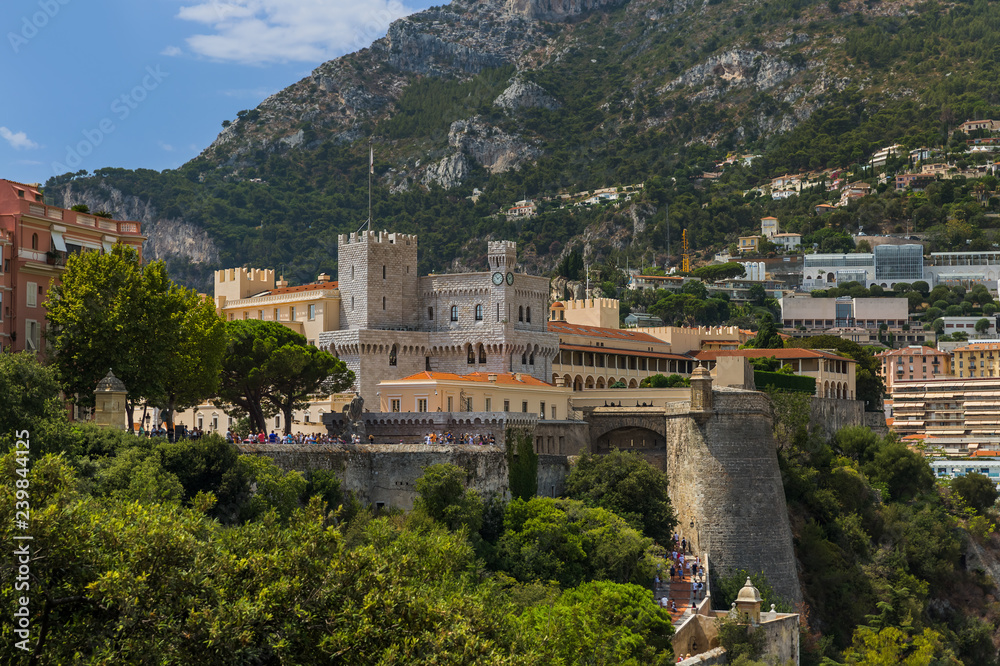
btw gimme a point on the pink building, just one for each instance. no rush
(913, 363)
(35, 240)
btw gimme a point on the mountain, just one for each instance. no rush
(530, 98)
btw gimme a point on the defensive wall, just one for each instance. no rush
(384, 474)
(717, 449)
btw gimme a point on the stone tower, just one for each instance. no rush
(109, 402)
(503, 259)
(377, 278)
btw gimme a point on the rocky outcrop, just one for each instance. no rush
(447, 173)
(525, 94)
(738, 68)
(556, 10)
(561, 289)
(166, 238)
(490, 146)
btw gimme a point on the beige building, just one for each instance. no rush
(818, 314)
(949, 409)
(591, 357)
(253, 293)
(913, 362)
(601, 312)
(768, 227)
(834, 374)
(474, 392)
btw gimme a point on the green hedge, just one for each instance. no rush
(784, 382)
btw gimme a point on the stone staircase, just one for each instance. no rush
(680, 592)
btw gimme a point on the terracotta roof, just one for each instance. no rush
(315, 286)
(660, 277)
(483, 377)
(786, 353)
(624, 352)
(599, 332)
(908, 351)
(979, 346)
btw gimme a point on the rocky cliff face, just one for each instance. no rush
(166, 238)
(525, 95)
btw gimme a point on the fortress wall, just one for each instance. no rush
(832, 414)
(387, 473)
(552, 473)
(724, 478)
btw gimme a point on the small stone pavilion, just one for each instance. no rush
(697, 632)
(109, 402)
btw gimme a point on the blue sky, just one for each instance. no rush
(147, 83)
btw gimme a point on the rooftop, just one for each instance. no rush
(628, 334)
(510, 379)
(781, 354)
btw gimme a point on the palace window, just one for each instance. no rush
(454, 313)
(482, 355)
(392, 355)
(479, 312)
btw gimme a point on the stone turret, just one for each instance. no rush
(748, 602)
(701, 390)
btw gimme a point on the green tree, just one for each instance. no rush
(892, 647)
(522, 463)
(978, 490)
(247, 380)
(625, 483)
(569, 542)
(767, 336)
(196, 359)
(444, 498)
(727, 271)
(110, 311)
(298, 371)
(600, 623)
(982, 325)
(30, 393)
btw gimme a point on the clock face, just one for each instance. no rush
(498, 278)
(510, 278)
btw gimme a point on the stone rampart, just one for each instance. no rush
(385, 474)
(829, 415)
(726, 488)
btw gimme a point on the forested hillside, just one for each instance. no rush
(645, 91)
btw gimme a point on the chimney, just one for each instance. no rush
(282, 282)
(323, 277)
(517, 376)
(491, 378)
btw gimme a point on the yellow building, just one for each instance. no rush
(474, 392)
(309, 309)
(749, 244)
(834, 375)
(977, 359)
(591, 357)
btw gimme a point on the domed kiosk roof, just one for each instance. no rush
(110, 384)
(748, 593)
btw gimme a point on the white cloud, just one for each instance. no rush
(257, 32)
(17, 140)
(165, 146)
(171, 51)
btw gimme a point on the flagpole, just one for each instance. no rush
(371, 172)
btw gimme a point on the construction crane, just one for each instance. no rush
(685, 255)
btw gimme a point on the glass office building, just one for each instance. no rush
(899, 263)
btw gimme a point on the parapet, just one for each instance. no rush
(593, 303)
(367, 237)
(236, 283)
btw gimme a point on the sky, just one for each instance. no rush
(147, 83)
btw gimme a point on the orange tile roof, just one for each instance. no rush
(979, 346)
(315, 286)
(786, 353)
(483, 377)
(599, 332)
(623, 352)
(908, 351)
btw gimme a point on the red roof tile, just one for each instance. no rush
(315, 286)
(483, 377)
(599, 332)
(783, 354)
(624, 352)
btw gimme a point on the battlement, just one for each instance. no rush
(502, 246)
(367, 237)
(232, 284)
(601, 312)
